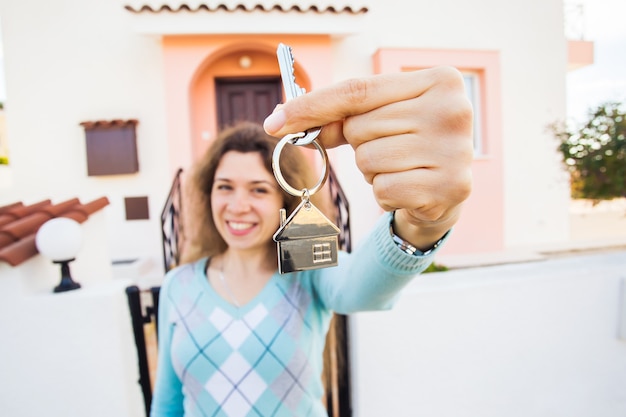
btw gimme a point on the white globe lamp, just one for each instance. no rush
(60, 239)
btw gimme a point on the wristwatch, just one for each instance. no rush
(408, 248)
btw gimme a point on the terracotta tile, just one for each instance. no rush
(19, 224)
(6, 239)
(19, 251)
(154, 6)
(6, 208)
(108, 123)
(26, 225)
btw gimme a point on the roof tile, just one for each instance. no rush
(19, 224)
(106, 124)
(320, 6)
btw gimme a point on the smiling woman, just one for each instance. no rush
(238, 335)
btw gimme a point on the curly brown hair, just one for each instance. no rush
(202, 237)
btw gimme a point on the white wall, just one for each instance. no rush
(68, 354)
(70, 62)
(537, 339)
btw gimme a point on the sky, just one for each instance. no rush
(602, 22)
(605, 79)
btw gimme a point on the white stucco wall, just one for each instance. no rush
(73, 353)
(68, 354)
(540, 339)
(68, 62)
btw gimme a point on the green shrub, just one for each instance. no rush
(434, 267)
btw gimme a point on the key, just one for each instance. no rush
(293, 90)
(285, 63)
(306, 239)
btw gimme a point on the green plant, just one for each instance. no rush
(4, 160)
(595, 153)
(434, 267)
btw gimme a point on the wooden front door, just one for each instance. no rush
(246, 99)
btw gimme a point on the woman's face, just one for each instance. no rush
(246, 201)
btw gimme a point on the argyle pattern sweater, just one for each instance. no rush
(265, 358)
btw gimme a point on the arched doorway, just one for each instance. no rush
(240, 84)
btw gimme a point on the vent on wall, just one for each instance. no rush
(137, 208)
(111, 147)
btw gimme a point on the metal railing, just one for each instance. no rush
(342, 215)
(171, 224)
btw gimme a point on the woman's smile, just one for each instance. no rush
(239, 227)
(245, 201)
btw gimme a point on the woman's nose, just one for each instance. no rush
(239, 203)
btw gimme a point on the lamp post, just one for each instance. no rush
(60, 239)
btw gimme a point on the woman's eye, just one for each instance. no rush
(223, 187)
(260, 190)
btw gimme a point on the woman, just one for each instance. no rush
(238, 339)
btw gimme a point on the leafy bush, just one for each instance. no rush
(434, 267)
(595, 153)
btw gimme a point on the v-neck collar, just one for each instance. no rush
(201, 274)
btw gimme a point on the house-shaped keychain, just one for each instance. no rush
(306, 240)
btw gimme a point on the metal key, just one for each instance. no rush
(293, 90)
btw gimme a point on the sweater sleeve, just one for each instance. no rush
(372, 276)
(167, 398)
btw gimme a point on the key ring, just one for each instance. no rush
(292, 139)
(306, 137)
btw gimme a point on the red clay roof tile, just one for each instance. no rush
(19, 251)
(108, 123)
(19, 224)
(18, 210)
(262, 6)
(26, 225)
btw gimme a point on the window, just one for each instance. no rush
(472, 86)
(481, 73)
(321, 253)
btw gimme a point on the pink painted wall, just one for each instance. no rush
(192, 63)
(481, 228)
(579, 54)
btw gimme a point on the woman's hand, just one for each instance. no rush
(412, 137)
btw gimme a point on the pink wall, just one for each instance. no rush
(481, 228)
(192, 63)
(579, 54)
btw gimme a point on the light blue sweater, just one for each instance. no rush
(265, 358)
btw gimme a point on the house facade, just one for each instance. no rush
(110, 99)
(175, 67)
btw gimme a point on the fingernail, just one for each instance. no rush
(274, 122)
